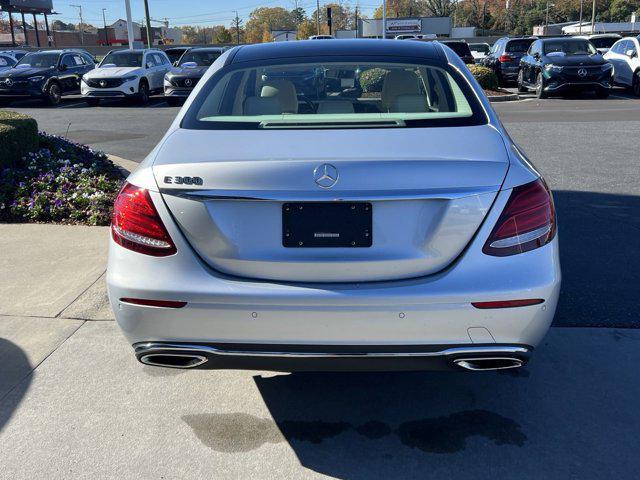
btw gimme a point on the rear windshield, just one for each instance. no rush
(519, 45)
(461, 48)
(479, 47)
(334, 95)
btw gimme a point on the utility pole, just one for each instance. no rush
(384, 19)
(318, 16)
(104, 22)
(127, 5)
(79, 7)
(237, 22)
(580, 24)
(593, 17)
(356, 14)
(546, 21)
(146, 12)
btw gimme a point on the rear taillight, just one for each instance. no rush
(528, 221)
(136, 224)
(505, 58)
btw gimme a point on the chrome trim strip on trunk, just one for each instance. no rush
(324, 196)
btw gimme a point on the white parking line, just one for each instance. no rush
(69, 105)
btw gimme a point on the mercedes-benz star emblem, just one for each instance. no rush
(326, 175)
(8, 82)
(582, 72)
(188, 82)
(103, 83)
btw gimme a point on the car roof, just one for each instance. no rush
(206, 49)
(564, 39)
(351, 47)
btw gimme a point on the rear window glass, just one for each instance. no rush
(333, 95)
(519, 45)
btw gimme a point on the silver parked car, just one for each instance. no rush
(350, 205)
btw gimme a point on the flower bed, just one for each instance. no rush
(62, 182)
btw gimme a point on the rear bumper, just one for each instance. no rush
(329, 358)
(422, 313)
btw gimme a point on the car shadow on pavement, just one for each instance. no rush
(15, 378)
(600, 257)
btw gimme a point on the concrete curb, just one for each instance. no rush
(127, 166)
(504, 98)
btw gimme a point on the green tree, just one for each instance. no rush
(621, 10)
(222, 35)
(265, 19)
(299, 15)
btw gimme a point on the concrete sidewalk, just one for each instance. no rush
(91, 411)
(74, 402)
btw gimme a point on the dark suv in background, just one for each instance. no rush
(46, 75)
(562, 65)
(504, 58)
(462, 50)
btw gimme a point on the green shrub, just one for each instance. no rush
(485, 77)
(18, 137)
(372, 80)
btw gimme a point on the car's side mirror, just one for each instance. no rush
(630, 53)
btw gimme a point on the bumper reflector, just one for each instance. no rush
(508, 303)
(154, 303)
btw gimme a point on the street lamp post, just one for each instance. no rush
(580, 24)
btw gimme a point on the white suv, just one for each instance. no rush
(626, 64)
(132, 74)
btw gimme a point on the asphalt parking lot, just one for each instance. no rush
(586, 148)
(74, 403)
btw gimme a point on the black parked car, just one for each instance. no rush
(504, 58)
(560, 65)
(174, 53)
(46, 75)
(190, 68)
(462, 49)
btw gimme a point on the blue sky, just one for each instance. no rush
(181, 12)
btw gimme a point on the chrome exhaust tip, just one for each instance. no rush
(488, 363)
(173, 360)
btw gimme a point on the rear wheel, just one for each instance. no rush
(92, 102)
(635, 85)
(53, 94)
(521, 87)
(540, 93)
(143, 93)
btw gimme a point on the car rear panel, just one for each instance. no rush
(429, 191)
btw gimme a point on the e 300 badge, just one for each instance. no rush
(183, 180)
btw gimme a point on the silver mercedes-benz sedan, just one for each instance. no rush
(344, 205)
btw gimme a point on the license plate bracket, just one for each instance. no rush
(327, 225)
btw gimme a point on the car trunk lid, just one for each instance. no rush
(428, 189)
